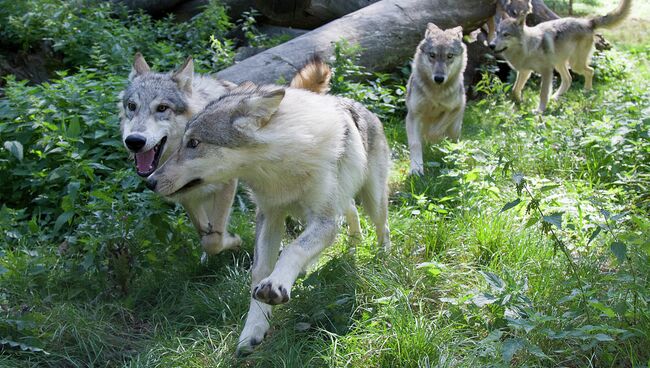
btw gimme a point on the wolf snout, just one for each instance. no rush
(493, 45)
(135, 142)
(151, 184)
(439, 78)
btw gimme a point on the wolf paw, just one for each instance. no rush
(250, 337)
(417, 171)
(216, 243)
(271, 292)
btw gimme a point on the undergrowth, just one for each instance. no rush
(524, 244)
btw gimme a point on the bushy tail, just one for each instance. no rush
(314, 76)
(614, 18)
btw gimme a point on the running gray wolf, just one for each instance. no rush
(154, 110)
(510, 8)
(557, 44)
(301, 154)
(435, 96)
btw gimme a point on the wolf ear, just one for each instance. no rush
(140, 66)
(456, 31)
(259, 107)
(183, 76)
(431, 29)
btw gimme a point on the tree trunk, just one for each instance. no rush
(387, 32)
(307, 13)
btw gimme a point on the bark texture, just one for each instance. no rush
(387, 32)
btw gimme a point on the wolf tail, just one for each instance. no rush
(614, 18)
(314, 76)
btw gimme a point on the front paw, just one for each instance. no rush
(417, 170)
(215, 243)
(272, 292)
(250, 337)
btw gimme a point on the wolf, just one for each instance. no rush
(435, 95)
(510, 8)
(556, 44)
(301, 154)
(154, 110)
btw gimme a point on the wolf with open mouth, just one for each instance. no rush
(154, 109)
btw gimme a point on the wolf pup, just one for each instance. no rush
(154, 110)
(301, 154)
(556, 44)
(435, 96)
(510, 8)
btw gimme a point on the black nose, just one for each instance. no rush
(493, 46)
(135, 142)
(151, 184)
(439, 79)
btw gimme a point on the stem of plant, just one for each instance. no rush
(560, 244)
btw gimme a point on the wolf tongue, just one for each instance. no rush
(144, 160)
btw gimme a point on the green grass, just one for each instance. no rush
(465, 285)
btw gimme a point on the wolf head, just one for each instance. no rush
(517, 8)
(219, 142)
(509, 32)
(441, 54)
(153, 111)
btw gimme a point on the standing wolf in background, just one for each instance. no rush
(556, 44)
(435, 95)
(154, 109)
(302, 154)
(507, 8)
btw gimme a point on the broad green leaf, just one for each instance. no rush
(484, 299)
(510, 348)
(554, 219)
(609, 312)
(594, 234)
(509, 205)
(15, 148)
(493, 280)
(62, 219)
(21, 346)
(620, 250)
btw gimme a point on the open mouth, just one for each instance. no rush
(192, 183)
(502, 50)
(147, 162)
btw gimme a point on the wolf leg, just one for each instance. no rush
(276, 288)
(210, 215)
(545, 92)
(354, 227)
(268, 237)
(522, 78)
(563, 69)
(374, 197)
(453, 132)
(414, 135)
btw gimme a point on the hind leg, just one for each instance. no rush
(374, 197)
(547, 84)
(354, 227)
(563, 69)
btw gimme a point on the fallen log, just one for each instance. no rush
(387, 32)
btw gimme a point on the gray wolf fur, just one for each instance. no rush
(154, 110)
(435, 95)
(507, 8)
(557, 44)
(301, 154)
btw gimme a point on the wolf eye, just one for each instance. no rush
(450, 56)
(162, 108)
(506, 34)
(433, 55)
(131, 106)
(192, 143)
